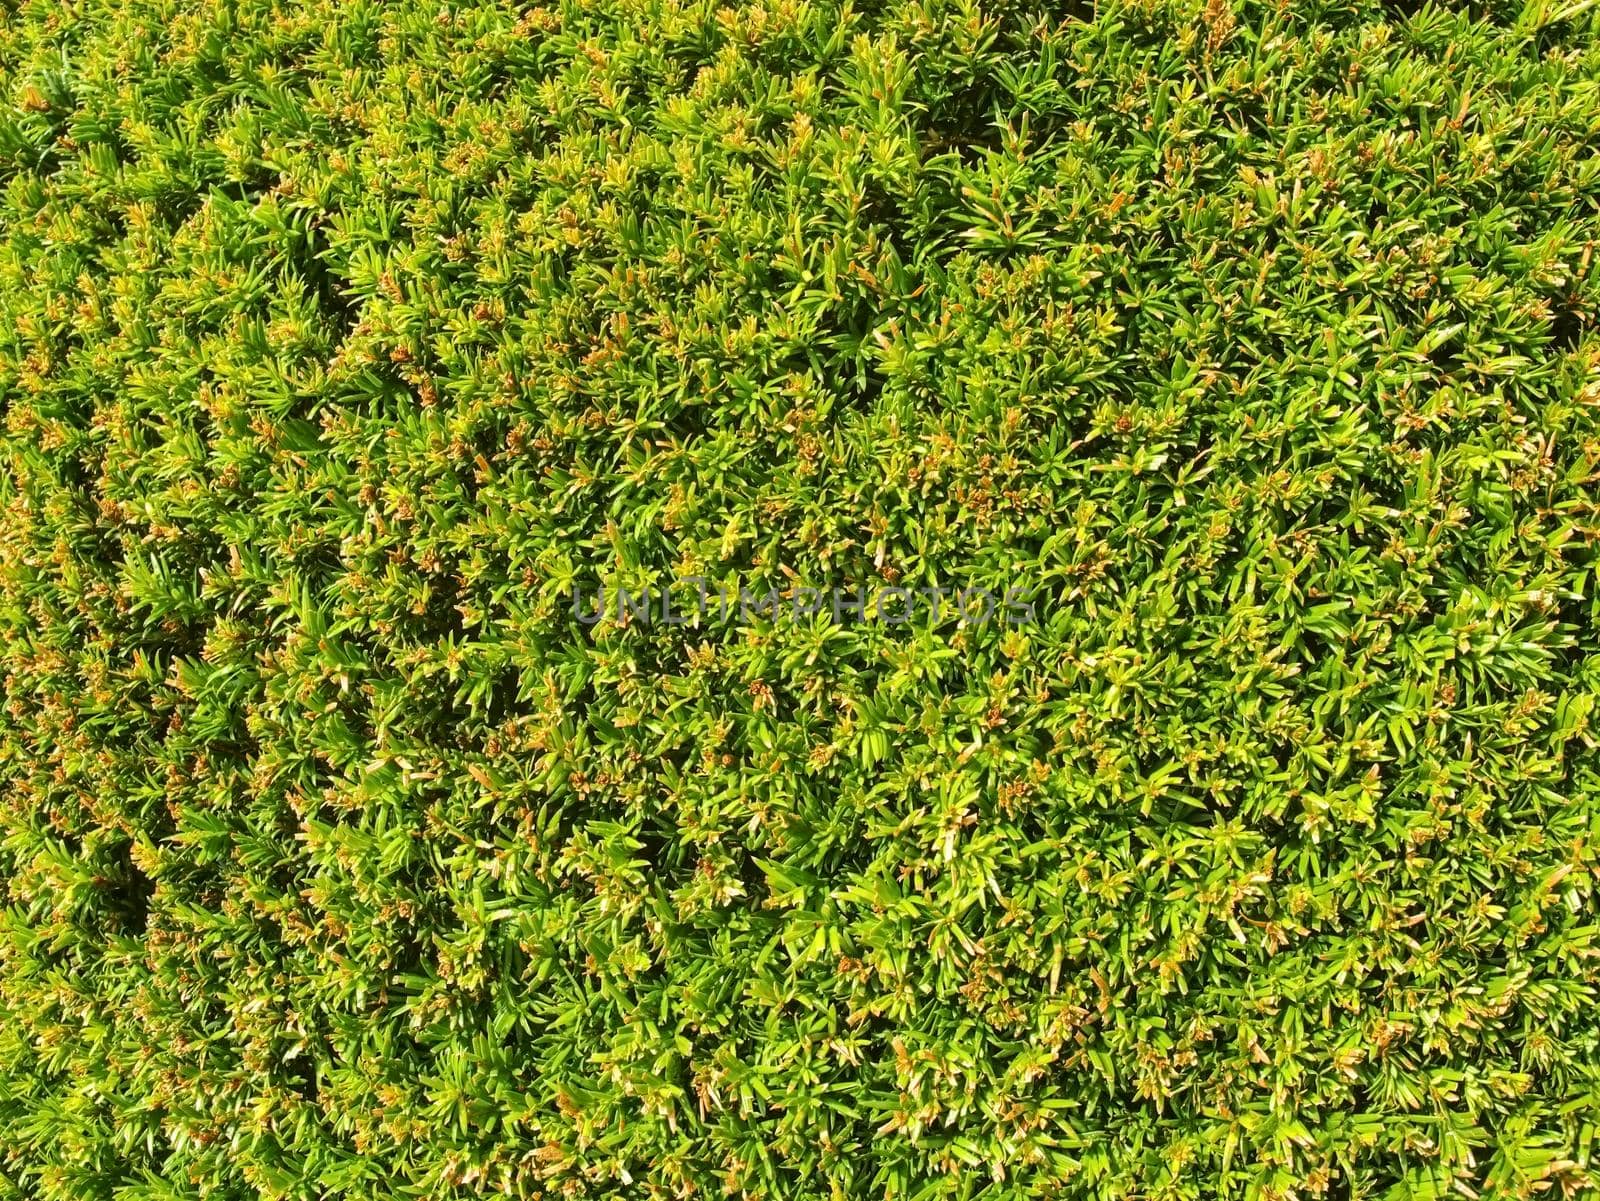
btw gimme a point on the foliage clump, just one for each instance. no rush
(340, 341)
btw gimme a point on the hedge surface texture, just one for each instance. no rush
(341, 342)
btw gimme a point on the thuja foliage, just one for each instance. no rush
(341, 341)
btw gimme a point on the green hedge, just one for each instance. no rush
(342, 342)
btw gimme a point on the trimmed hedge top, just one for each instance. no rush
(342, 343)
